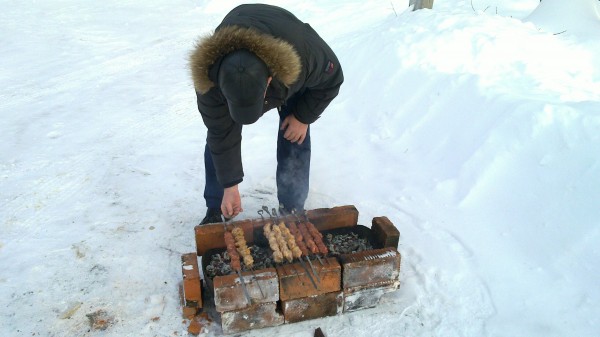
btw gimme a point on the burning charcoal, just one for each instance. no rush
(346, 243)
(220, 264)
(262, 257)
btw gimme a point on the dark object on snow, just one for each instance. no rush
(319, 333)
(420, 4)
(213, 215)
(100, 320)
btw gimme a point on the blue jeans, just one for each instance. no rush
(293, 170)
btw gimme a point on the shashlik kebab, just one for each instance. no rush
(288, 243)
(290, 240)
(236, 246)
(232, 251)
(242, 248)
(313, 239)
(299, 239)
(317, 237)
(270, 235)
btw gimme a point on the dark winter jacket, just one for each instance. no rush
(306, 75)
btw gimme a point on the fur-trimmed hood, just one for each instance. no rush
(280, 56)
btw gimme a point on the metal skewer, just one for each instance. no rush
(254, 277)
(320, 261)
(313, 269)
(277, 219)
(308, 274)
(243, 282)
(296, 272)
(266, 209)
(262, 294)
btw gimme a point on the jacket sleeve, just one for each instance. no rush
(316, 97)
(322, 82)
(224, 138)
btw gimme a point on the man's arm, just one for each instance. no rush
(224, 142)
(224, 138)
(320, 87)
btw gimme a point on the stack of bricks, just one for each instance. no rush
(368, 275)
(191, 287)
(240, 313)
(286, 294)
(301, 299)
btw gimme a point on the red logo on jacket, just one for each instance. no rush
(329, 68)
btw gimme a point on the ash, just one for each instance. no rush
(220, 263)
(346, 243)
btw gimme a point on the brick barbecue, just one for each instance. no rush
(361, 266)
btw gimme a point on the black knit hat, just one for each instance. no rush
(243, 81)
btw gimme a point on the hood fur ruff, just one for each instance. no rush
(280, 57)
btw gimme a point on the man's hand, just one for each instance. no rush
(232, 203)
(295, 131)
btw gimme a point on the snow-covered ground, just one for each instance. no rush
(474, 127)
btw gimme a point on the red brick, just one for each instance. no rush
(229, 294)
(302, 309)
(336, 217)
(385, 232)
(192, 286)
(254, 317)
(210, 236)
(370, 267)
(295, 283)
(196, 326)
(189, 313)
(331, 218)
(367, 297)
